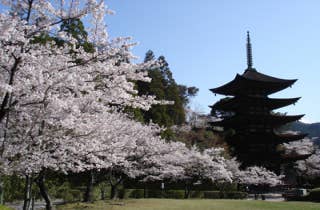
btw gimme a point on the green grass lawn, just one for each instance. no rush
(203, 204)
(4, 208)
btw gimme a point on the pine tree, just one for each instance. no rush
(163, 86)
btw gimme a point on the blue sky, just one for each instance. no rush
(204, 42)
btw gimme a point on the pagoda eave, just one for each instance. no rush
(244, 83)
(242, 121)
(263, 138)
(285, 138)
(294, 157)
(236, 103)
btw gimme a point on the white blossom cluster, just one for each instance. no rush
(253, 175)
(311, 166)
(302, 147)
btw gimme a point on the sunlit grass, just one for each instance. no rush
(204, 204)
(5, 208)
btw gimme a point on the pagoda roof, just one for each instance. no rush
(242, 121)
(252, 74)
(231, 104)
(252, 80)
(295, 157)
(266, 137)
(288, 137)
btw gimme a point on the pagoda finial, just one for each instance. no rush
(249, 52)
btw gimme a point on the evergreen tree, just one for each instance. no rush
(149, 56)
(74, 28)
(163, 86)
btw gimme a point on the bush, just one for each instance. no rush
(212, 194)
(235, 195)
(122, 193)
(134, 193)
(155, 194)
(176, 194)
(314, 195)
(179, 194)
(13, 188)
(151, 193)
(196, 194)
(225, 195)
(68, 194)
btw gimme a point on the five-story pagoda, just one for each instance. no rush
(247, 115)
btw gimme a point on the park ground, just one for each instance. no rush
(192, 204)
(4, 208)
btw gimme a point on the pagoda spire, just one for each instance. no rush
(249, 53)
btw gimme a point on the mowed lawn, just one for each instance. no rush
(203, 204)
(5, 208)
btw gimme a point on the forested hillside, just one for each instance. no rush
(312, 129)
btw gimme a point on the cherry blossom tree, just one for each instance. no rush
(53, 103)
(306, 153)
(299, 148)
(207, 165)
(254, 175)
(176, 162)
(310, 167)
(259, 176)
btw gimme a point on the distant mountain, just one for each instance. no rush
(313, 129)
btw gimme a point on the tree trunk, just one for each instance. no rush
(144, 191)
(27, 193)
(187, 190)
(43, 190)
(114, 192)
(103, 193)
(1, 190)
(88, 195)
(114, 182)
(114, 189)
(32, 202)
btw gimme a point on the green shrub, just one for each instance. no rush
(151, 193)
(212, 194)
(235, 195)
(224, 195)
(155, 193)
(133, 193)
(67, 196)
(226, 186)
(136, 193)
(126, 193)
(66, 193)
(175, 194)
(122, 193)
(179, 194)
(196, 194)
(13, 188)
(314, 195)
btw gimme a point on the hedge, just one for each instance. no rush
(197, 194)
(212, 194)
(224, 195)
(314, 195)
(176, 194)
(134, 193)
(179, 194)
